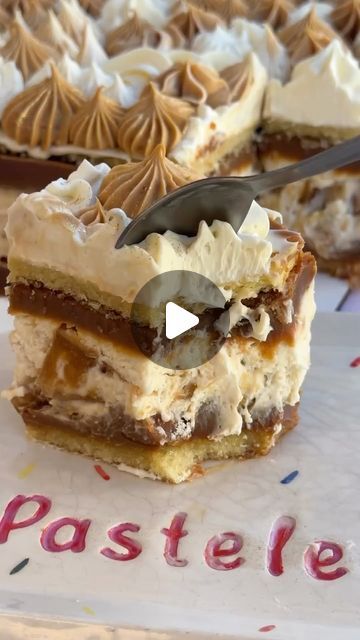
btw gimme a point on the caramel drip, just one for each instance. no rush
(135, 186)
(307, 36)
(65, 364)
(135, 33)
(155, 118)
(92, 6)
(228, 10)
(274, 12)
(95, 214)
(96, 123)
(28, 53)
(346, 18)
(194, 21)
(41, 114)
(195, 83)
(239, 78)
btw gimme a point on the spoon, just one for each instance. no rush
(228, 198)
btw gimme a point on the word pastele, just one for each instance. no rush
(221, 553)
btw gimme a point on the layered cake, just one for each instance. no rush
(326, 208)
(82, 383)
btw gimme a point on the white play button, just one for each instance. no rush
(178, 320)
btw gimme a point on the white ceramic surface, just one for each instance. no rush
(89, 589)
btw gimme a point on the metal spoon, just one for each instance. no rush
(228, 198)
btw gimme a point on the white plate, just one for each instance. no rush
(89, 589)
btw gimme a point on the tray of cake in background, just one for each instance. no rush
(227, 86)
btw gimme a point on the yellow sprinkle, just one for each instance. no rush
(25, 472)
(89, 611)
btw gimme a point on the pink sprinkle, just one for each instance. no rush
(355, 363)
(102, 473)
(269, 627)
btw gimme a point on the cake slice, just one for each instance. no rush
(317, 108)
(80, 381)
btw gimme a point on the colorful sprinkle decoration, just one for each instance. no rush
(269, 627)
(289, 478)
(20, 566)
(89, 611)
(25, 472)
(102, 473)
(355, 363)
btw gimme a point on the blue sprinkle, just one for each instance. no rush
(290, 477)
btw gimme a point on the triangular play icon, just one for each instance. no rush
(178, 320)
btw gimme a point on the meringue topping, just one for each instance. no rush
(73, 19)
(194, 21)
(135, 33)
(135, 186)
(90, 48)
(40, 115)
(274, 12)
(307, 36)
(5, 19)
(346, 18)
(28, 53)
(154, 118)
(228, 10)
(195, 83)
(94, 214)
(52, 33)
(96, 123)
(33, 11)
(239, 77)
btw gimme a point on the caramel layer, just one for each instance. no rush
(238, 162)
(37, 300)
(117, 426)
(30, 174)
(294, 149)
(171, 462)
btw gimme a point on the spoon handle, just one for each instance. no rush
(337, 156)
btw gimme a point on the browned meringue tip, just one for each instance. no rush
(92, 6)
(136, 32)
(195, 83)
(94, 214)
(307, 36)
(274, 12)
(346, 18)
(95, 125)
(40, 115)
(135, 186)
(27, 51)
(239, 77)
(227, 10)
(155, 118)
(193, 21)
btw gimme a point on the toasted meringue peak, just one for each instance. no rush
(94, 214)
(228, 10)
(155, 118)
(274, 12)
(28, 53)
(195, 83)
(307, 36)
(93, 6)
(346, 18)
(52, 33)
(239, 77)
(73, 19)
(96, 123)
(90, 48)
(135, 186)
(135, 32)
(194, 21)
(40, 115)
(33, 11)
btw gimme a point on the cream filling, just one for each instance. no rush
(8, 196)
(324, 209)
(238, 381)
